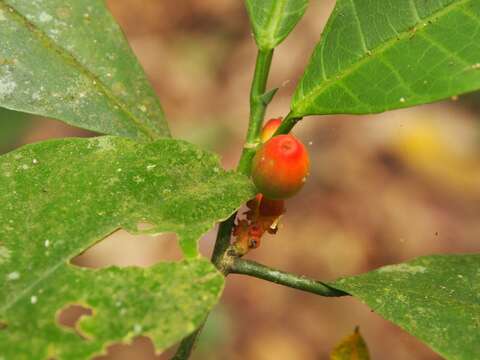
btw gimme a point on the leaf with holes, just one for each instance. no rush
(377, 55)
(273, 20)
(69, 60)
(435, 298)
(165, 302)
(61, 197)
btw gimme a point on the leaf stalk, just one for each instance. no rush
(254, 269)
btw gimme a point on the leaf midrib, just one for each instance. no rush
(369, 55)
(271, 28)
(69, 58)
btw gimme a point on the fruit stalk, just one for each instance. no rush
(251, 268)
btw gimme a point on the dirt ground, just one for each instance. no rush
(383, 189)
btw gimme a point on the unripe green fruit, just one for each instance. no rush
(280, 167)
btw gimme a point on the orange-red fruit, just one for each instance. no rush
(280, 167)
(269, 129)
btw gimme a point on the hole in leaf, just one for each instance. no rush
(124, 249)
(69, 316)
(141, 348)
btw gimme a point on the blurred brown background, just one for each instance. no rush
(383, 188)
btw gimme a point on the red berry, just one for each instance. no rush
(280, 167)
(269, 129)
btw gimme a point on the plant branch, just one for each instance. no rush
(258, 107)
(251, 268)
(287, 124)
(222, 242)
(186, 346)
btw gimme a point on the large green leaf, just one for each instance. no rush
(69, 60)
(60, 197)
(74, 192)
(435, 298)
(165, 302)
(377, 55)
(273, 20)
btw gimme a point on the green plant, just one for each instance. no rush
(69, 61)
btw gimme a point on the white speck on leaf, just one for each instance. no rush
(7, 86)
(404, 268)
(105, 143)
(4, 254)
(151, 167)
(13, 276)
(402, 99)
(33, 299)
(47, 243)
(138, 179)
(137, 328)
(44, 17)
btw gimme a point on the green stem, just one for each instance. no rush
(222, 243)
(251, 268)
(257, 109)
(186, 346)
(287, 124)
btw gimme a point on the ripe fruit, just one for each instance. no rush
(280, 167)
(269, 129)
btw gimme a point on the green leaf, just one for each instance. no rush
(377, 55)
(435, 298)
(353, 347)
(165, 302)
(70, 61)
(81, 190)
(273, 20)
(60, 197)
